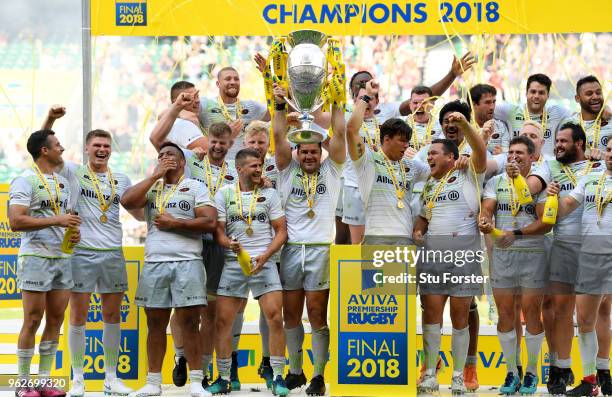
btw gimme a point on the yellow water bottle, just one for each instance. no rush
(495, 233)
(67, 245)
(522, 190)
(244, 259)
(550, 210)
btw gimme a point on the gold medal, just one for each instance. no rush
(428, 214)
(103, 218)
(400, 204)
(310, 214)
(249, 231)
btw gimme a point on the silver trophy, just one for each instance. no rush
(306, 74)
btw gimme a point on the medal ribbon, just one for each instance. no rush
(602, 200)
(214, 187)
(399, 190)
(416, 143)
(310, 187)
(55, 205)
(595, 131)
(249, 218)
(104, 206)
(515, 206)
(544, 121)
(162, 199)
(572, 176)
(225, 112)
(431, 202)
(372, 143)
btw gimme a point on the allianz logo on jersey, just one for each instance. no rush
(529, 208)
(296, 191)
(47, 204)
(92, 194)
(389, 181)
(262, 217)
(183, 205)
(453, 195)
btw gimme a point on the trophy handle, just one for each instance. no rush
(292, 104)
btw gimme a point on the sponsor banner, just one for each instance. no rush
(373, 328)
(132, 363)
(10, 295)
(346, 17)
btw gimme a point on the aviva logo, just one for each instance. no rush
(367, 279)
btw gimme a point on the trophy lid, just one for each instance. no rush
(306, 36)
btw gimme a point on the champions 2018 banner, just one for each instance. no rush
(372, 17)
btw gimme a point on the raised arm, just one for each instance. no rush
(55, 112)
(164, 125)
(479, 147)
(279, 126)
(337, 144)
(354, 142)
(458, 67)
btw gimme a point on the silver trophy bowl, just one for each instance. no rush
(306, 74)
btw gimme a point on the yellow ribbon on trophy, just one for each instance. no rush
(334, 90)
(277, 58)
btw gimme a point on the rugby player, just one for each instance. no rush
(593, 283)
(450, 193)
(257, 136)
(39, 207)
(185, 132)
(537, 109)
(178, 210)
(250, 218)
(483, 97)
(593, 117)
(97, 264)
(569, 165)
(228, 108)
(384, 176)
(309, 188)
(518, 265)
(424, 125)
(207, 171)
(377, 113)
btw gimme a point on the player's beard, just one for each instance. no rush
(232, 92)
(569, 156)
(589, 108)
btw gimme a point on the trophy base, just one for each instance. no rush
(307, 135)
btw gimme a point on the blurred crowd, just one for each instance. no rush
(132, 77)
